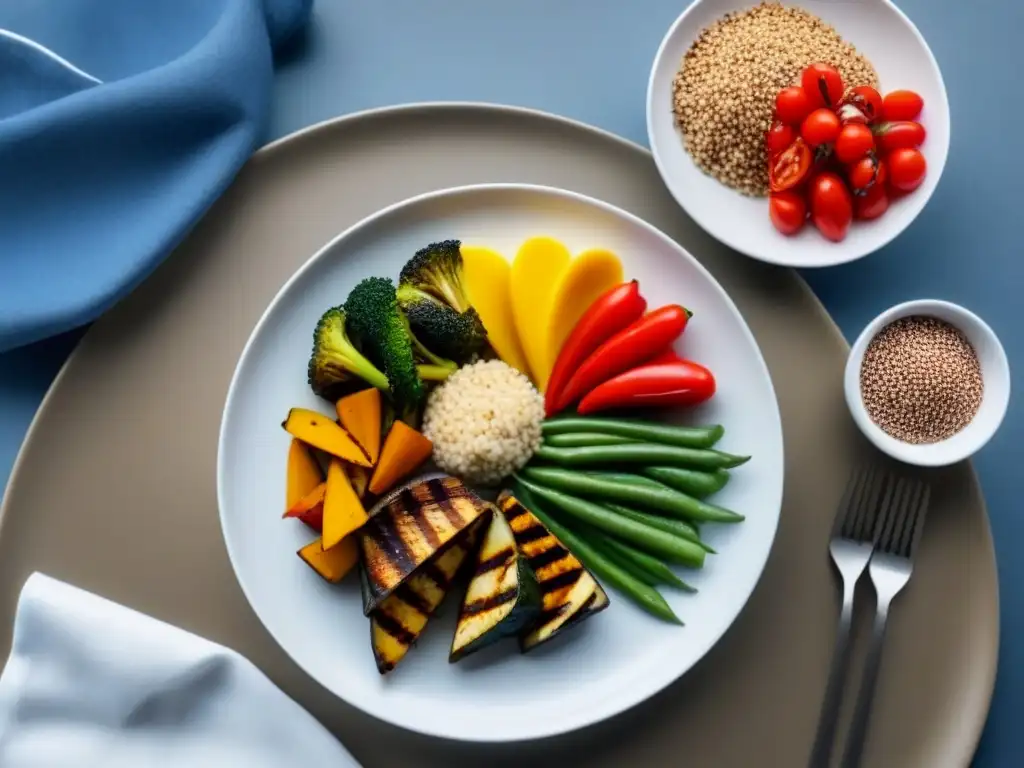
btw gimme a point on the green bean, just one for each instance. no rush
(681, 528)
(654, 432)
(665, 501)
(690, 481)
(600, 544)
(653, 540)
(648, 564)
(644, 595)
(646, 454)
(579, 439)
(625, 477)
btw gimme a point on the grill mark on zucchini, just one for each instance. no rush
(490, 603)
(543, 559)
(499, 559)
(566, 563)
(439, 519)
(569, 592)
(450, 511)
(550, 614)
(560, 580)
(430, 586)
(423, 525)
(393, 547)
(377, 560)
(409, 530)
(514, 514)
(535, 532)
(435, 574)
(412, 598)
(395, 628)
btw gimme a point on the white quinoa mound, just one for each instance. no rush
(484, 422)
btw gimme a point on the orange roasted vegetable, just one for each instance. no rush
(332, 564)
(343, 512)
(304, 473)
(404, 450)
(360, 415)
(321, 432)
(310, 508)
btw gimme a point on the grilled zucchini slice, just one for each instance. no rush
(502, 598)
(400, 620)
(569, 591)
(407, 528)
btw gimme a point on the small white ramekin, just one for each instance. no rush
(995, 372)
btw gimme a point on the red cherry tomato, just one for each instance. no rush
(907, 169)
(823, 84)
(831, 205)
(792, 105)
(872, 204)
(790, 167)
(867, 100)
(779, 137)
(902, 105)
(853, 143)
(820, 127)
(899, 135)
(850, 113)
(788, 211)
(866, 173)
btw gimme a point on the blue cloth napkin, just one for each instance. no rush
(121, 121)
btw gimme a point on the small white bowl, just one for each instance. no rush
(995, 374)
(901, 58)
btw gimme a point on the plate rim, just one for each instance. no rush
(639, 693)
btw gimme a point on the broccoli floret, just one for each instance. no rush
(437, 269)
(375, 319)
(457, 336)
(335, 362)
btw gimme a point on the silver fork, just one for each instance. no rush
(850, 546)
(897, 536)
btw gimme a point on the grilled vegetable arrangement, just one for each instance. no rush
(502, 598)
(542, 347)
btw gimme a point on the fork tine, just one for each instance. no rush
(866, 523)
(922, 510)
(888, 512)
(848, 503)
(901, 545)
(854, 512)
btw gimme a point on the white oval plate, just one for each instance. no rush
(612, 661)
(902, 59)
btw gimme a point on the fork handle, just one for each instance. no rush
(829, 717)
(862, 713)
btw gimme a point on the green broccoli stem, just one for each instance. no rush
(435, 372)
(436, 360)
(367, 371)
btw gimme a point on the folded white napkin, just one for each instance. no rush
(92, 684)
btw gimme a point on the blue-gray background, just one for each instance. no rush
(589, 60)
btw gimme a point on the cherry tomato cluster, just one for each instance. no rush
(836, 155)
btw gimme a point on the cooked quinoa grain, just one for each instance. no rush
(921, 380)
(484, 422)
(724, 92)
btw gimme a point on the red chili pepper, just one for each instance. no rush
(661, 384)
(643, 339)
(665, 356)
(611, 312)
